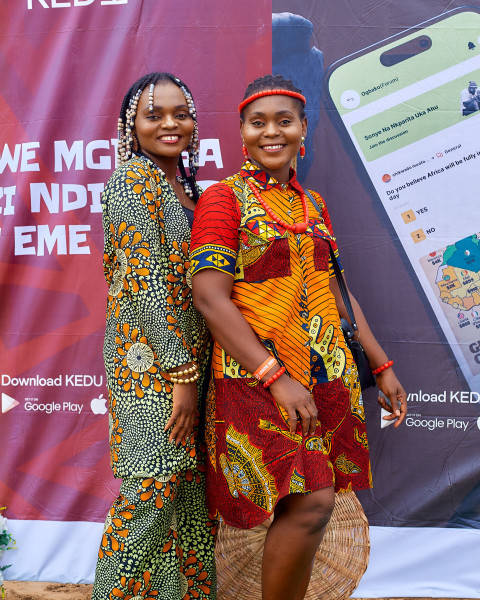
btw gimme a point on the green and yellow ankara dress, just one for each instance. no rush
(158, 540)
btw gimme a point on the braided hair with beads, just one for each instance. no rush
(128, 145)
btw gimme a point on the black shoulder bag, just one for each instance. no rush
(348, 329)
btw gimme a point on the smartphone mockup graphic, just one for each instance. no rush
(410, 105)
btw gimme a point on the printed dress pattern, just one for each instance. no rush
(281, 286)
(158, 539)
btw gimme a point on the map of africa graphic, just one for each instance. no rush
(454, 275)
(458, 277)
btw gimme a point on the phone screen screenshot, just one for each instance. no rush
(414, 119)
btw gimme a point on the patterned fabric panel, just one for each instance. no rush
(152, 325)
(273, 261)
(254, 460)
(212, 256)
(158, 541)
(281, 280)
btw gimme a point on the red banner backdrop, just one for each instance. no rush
(65, 68)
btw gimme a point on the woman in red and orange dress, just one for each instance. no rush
(285, 419)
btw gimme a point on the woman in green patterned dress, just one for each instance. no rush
(158, 539)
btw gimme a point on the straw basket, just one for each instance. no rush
(340, 561)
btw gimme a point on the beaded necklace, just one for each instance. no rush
(295, 227)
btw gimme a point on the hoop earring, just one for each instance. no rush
(244, 150)
(302, 147)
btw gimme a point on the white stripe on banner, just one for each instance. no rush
(404, 561)
(424, 562)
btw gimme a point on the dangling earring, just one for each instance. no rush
(302, 147)
(244, 150)
(135, 143)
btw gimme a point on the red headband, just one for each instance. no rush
(277, 92)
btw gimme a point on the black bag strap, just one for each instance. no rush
(338, 273)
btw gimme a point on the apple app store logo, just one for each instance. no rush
(99, 405)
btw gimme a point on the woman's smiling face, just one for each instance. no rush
(272, 130)
(167, 131)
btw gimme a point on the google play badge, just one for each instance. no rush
(8, 403)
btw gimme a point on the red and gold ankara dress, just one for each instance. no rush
(281, 286)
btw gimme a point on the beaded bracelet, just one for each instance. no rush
(265, 367)
(378, 370)
(187, 380)
(274, 377)
(191, 369)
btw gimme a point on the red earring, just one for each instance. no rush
(244, 151)
(302, 148)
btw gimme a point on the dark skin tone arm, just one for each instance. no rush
(387, 381)
(211, 296)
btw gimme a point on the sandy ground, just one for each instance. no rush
(37, 590)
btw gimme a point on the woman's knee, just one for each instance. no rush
(311, 512)
(321, 507)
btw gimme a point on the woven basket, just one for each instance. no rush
(340, 561)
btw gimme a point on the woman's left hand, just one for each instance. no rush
(389, 385)
(184, 412)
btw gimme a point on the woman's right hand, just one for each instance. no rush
(297, 401)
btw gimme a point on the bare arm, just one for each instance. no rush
(211, 296)
(387, 381)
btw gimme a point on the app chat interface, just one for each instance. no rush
(420, 145)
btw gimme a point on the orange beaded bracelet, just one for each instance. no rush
(378, 370)
(274, 377)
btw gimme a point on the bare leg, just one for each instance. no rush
(304, 583)
(291, 543)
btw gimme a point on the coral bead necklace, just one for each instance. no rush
(295, 227)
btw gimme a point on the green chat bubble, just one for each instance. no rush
(414, 120)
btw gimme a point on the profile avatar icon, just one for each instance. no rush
(386, 178)
(469, 99)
